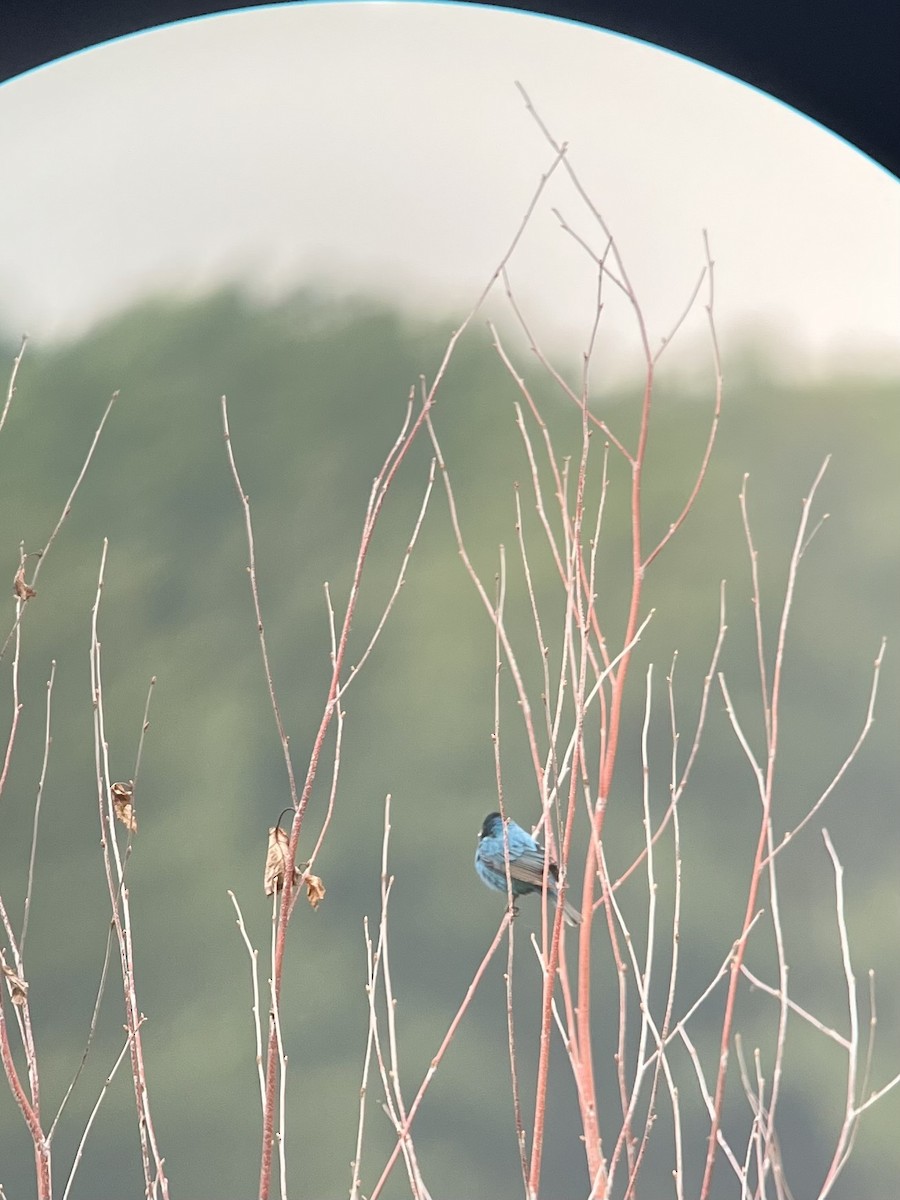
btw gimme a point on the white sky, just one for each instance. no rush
(385, 145)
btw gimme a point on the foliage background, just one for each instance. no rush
(316, 389)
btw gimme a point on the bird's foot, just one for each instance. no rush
(513, 910)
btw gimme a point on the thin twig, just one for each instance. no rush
(11, 389)
(155, 1179)
(41, 555)
(510, 1022)
(37, 808)
(253, 955)
(709, 272)
(401, 577)
(356, 1164)
(90, 1121)
(774, 702)
(436, 1061)
(854, 751)
(845, 1137)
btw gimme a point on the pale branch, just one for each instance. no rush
(753, 555)
(11, 388)
(436, 1061)
(41, 555)
(851, 1119)
(29, 888)
(510, 1023)
(371, 1031)
(253, 955)
(679, 787)
(155, 1179)
(850, 758)
(764, 839)
(717, 404)
(254, 591)
(107, 1083)
(401, 577)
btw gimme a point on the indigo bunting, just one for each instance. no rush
(526, 863)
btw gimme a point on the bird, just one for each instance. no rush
(526, 863)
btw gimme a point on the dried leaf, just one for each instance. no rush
(17, 986)
(276, 861)
(315, 890)
(21, 589)
(123, 804)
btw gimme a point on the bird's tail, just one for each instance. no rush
(571, 915)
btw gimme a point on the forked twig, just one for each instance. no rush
(41, 555)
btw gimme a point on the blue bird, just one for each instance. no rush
(526, 863)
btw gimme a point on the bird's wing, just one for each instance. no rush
(525, 850)
(525, 865)
(528, 866)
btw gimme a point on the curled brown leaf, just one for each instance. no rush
(315, 890)
(276, 861)
(21, 589)
(123, 804)
(18, 988)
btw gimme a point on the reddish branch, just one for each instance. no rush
(380, 489)
(30, 1109)
(383, 481)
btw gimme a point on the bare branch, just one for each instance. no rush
(41, 555)
(11, 389)
(90, 1121)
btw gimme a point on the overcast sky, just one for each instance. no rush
(384, 145)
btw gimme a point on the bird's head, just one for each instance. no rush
(492, 826)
